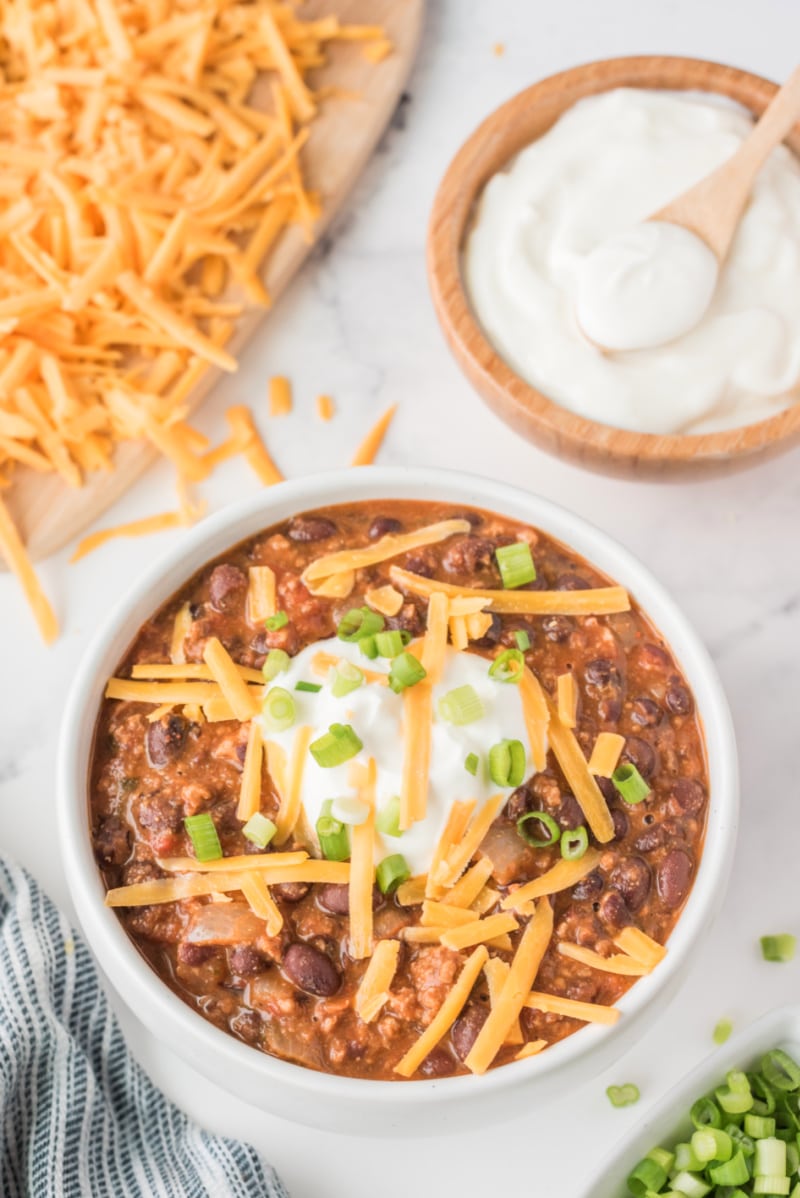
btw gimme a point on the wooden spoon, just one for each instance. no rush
(713, 208)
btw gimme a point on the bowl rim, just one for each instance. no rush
(519, 403)
(143, 990)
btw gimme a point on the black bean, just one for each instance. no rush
(645, 712)
(632, 879)
(687, 796)
(492, 634)
(609, 709)
(673, 877)
(653, 657)
(621, 824)
(310, 970)
(520, 802)
(613, 910)
(654, 837)
(249, 1025)
(194, 954)
(334, 898)
(641, 754)
(569, 813)
(607, 788)
(160, 813)
(469, 555)
(557, 629)
(678, 699)
(165, 739)
(310, 528)
(383, 526)
(437, 1063)
(408, 619)
(291, 892)
(112, 841)
(571, 582)
(600, 672)
(589, 887)
(227, 587)
(465, 1030)
(245, 961)
(419, 563)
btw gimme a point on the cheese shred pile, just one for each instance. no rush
(148, 164)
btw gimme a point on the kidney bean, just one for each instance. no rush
(621, 824)
(557, 629)
(227, 586)
(334, 898)
(310, 970)
(437, 1063)
(468, 555)
(645, 712)
(464, 1031)
(492, 634)
(677, 699)
(571, 582)
(194, 954)
(673, 877)
(614, 911)
(291, 892)
(245, 961)
(642, 754)
(654, 837)
(600, 672)
(589, 887)
(632, 878)
(383, 526)
(165, 740)
(687, 796)
(306, 529)
(112, 841)
(160, 813)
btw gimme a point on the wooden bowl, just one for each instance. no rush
(490, 148)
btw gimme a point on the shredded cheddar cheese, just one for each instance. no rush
(446, 1016)
(586, 1012)
(595, 602)
(280, 396)
(261, 902)
(385, 600)
(325, 407)
(496, 971)
(260, 594)
(605, 754)
(531, 1049)
(292, 794)
(567, 698)
(367, 450)
(617, 963)
(373, 989)
(640, 946)
(560, 876)
(362, 871)
(478, 931)
(575, 769)
(250, 790)
(230, 681)
(392, 545)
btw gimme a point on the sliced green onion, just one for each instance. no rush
(368, 647)
(778, 948)
(390, 643)
(765, 1099)
(705, 1113)
(770, 1158)
(277, 663)
(312, 688)
(405, 671)
(279, 620)
(688, 1185)
(279, 709)
(359, 622)
(623, 1095)
(759, 1127)
(259, 830)
(387, 821)
(647, 1177)
(780, 1070)
(335, 746)
(772, 1185)
(712, 1144)
(507, 763)
(663, 1158)
(630, 783)
(734, 1102)
(574, 843)
(722, 1031)
(391, 872)
(515, 563)
(346, 678)
(523, 640)
(547, 823)
(203, 835)
(332, 834)
(350, 810)
(686, 1159)
(508, 666)
(461, 705)
(471, 763)
(733, 1172)
(737, 1082)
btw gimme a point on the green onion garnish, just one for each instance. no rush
(346, 678)
(203, 835)
(387, 821)
(647, 1177)
(332, 834)
(368, 647)
(359, 622)
(507, 763)
(523, 640)
(548, 824)
(778, 948)
(279, 620)
(630, 783)
(390, 643)
(623, 1095)
(461, 705)
(515, 564)
(722, 1031)
(758, 1127)
(335, 746)
(731, 1173)
(277, 663)
(574, 843)
(705, 1113)
(405, 671)
(712, 1144)
(391, 872)
(279, 709)
(259, 830)
(780, 1071)
(312, 688)
(508, 666)
(471, 763)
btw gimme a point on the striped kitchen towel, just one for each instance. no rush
(78, 1117)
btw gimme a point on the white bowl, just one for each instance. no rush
(668, 1122)
(348, 1104)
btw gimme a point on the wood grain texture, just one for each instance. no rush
(561, 432)
(343, 136)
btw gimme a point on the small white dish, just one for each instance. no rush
(348, 1104)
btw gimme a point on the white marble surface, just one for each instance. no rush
(358, 323)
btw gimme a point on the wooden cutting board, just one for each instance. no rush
(48, 513)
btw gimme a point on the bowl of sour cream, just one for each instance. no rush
(544, 277)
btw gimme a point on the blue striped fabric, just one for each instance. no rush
(78, 1117)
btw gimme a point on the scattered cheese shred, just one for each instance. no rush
(570, 1008)
(345, 560)
(194, 885)
(536, 716)
(442, 915)
(385, 600)
(155, 715)
(458, 858)
(362, 871)
(598, 601)
(478, 931)
(567, 698)
(17, 560)
(280, 396)
(325, 407)
(521, 976)
(496, 971)
(434, 646)
(420, 935)
(606, 754)
(417, 717)
(618, 963)
(470, 885)
(412, 892)
(373, 989)
(338, 586)
(531, 1049)
(243, 861)
(368, 449)
(575, 769)
(256, 891)
(640, 946)
(180, 630)
(186, 670)
(487, 898)
(561, 876)
(132, 691)
(230, 681)
(250, 790)
(255, 451)
(260, 594)
(292, 800)
(446, 1016)
(458, 818)
(135, 528)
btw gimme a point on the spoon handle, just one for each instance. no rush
(713, 207)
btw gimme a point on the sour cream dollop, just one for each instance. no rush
(375, 713)
(609, 163)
